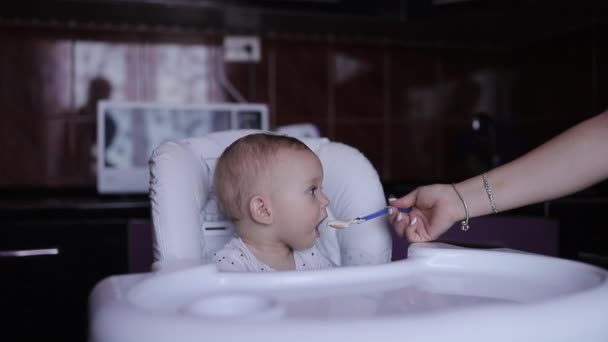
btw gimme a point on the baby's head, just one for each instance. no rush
(270, 180)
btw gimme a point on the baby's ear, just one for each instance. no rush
(259, 210)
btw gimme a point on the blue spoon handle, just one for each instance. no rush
(381, 212)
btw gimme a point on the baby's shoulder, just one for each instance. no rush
(232, 257)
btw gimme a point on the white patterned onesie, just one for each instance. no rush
(236, 257)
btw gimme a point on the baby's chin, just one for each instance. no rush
(317, 234)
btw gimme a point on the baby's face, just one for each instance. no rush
(298, 200)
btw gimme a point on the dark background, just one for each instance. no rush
(400, 80)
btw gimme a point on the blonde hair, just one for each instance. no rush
(242, 164)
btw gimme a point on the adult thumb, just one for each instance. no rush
(406, 201)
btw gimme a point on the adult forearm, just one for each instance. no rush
(570, 162)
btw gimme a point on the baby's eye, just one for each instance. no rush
(313, 190)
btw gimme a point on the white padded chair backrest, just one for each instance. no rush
(184, 214)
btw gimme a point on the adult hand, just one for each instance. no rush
(435, 208)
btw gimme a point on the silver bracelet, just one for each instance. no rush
(486, 186)
(464, 225)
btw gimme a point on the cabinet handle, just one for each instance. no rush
(28, 252)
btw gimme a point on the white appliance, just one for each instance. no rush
(128, 132)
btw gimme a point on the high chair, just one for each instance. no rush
(472, 294)
(188, 225)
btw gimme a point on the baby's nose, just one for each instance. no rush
(324, 200)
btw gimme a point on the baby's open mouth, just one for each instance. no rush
(318, 225)
(320, 222)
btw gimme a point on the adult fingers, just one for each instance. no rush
(406, 201)
(417, 233)
(399, 220)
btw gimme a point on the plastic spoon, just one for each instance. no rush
(339, 224)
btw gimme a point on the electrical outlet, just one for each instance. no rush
(242, 49)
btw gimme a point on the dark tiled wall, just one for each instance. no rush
(406, 106)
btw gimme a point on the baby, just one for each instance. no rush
(270, 187)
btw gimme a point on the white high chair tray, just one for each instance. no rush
(440, 293)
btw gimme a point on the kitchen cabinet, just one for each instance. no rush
(51, 256)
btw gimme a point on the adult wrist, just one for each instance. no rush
(456, 209)
(464, 224)
(473, 193)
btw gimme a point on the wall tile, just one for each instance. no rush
(358, 77)
(413, 150)
(35, 85)
(55, 62)
(69, 146)
(250, 79)
(23, 65)
(461, 152)
(300, 85)
(554, 80)
(473, 80)
(367, 138)
(117, 63)
(600, 67)
(535, 133)
(413, 83)
(23, 157)
(404, 106)
(177, 73)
